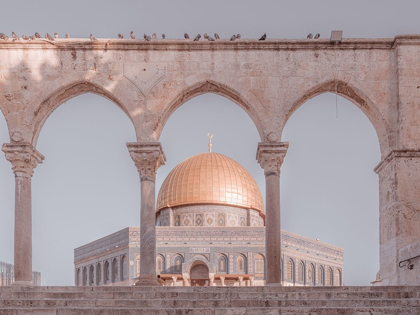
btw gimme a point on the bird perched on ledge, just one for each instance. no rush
(147, 38)
(15, 37)
(163, 36)
(205, 35)
(197, 38)
(310, 36)
(186, 36)
(49, 37)
(32, 37)
(120, 36)
(233, 38)
(92, 38)
(24, 37)
(67, 35)
(317, 35)
(238, 36)
(132, 35)
(4, 36)
(154, 36)
(56, 35)
(216, 36)
(211, 39)
(37, 35)
(263, 37)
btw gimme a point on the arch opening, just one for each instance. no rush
(330, 161)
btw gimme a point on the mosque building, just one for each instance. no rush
(210, 232)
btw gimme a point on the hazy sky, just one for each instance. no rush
(88, 186)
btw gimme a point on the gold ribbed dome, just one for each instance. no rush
(210, 178)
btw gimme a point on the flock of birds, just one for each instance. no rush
(146, 37)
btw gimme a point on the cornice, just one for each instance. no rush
(396, 153)
(219, 45)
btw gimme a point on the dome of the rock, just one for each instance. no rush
(210, 178)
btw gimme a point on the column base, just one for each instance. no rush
(147, 281)
(275, 284)
(22, 284)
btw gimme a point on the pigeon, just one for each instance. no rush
(310, 36)
(205, 35)
(147, 38)
(238, 36)
(186, 36)
(216, 36)
(132, 35)
(317, 35)
(32, 37)
(163, 36)
(92, 37)
(4, 36)
(1, 35)
(24, 37)
(15, 37)
(197, 38)
(154, 36)
(263, 37)
(211, 39)
(120, 36)
(67, 35)
(37, 35)
(56, 35)
(49, 37)
(233, 38)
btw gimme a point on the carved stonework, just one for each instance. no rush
(144, 75)
(271, 155)
(24, 158)
(148, 157)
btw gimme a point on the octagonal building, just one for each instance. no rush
(210, 231)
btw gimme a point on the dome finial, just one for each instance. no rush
(210, 135)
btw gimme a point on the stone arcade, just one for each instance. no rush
(210, 218)
(269, 80)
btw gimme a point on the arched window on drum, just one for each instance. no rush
(222, 264)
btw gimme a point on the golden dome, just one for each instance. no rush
(210, 178)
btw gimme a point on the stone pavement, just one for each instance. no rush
(210, 300)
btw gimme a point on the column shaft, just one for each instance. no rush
(23, 230)
(272, 229)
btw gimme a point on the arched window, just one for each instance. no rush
(123, 267)
(160, 264)
(337, 280)
(137, 265)
(311, 274)
(77, 277)
(91, 274)
(114, 274)
(84, 276)
(241, 265)
(320, 275)
(178, 264)
(329, 278)
(259, 264)
(106, 272)
(98, 274)
(290, 270)
(222, 264)
(301, 273)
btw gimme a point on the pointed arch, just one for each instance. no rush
(65, 93)
(357, 97)
(210, 86)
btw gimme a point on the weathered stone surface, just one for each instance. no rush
(269, 80)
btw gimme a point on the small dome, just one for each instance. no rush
(210, 178)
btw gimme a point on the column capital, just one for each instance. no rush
(24, 158)
(148, 157)
(270, 156)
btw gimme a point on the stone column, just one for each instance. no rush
(24, 158)
(148, 157)
(251, 281)
(222, 281)
(174, 281)
(270, 156)
(240, 279)
(399, 209)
